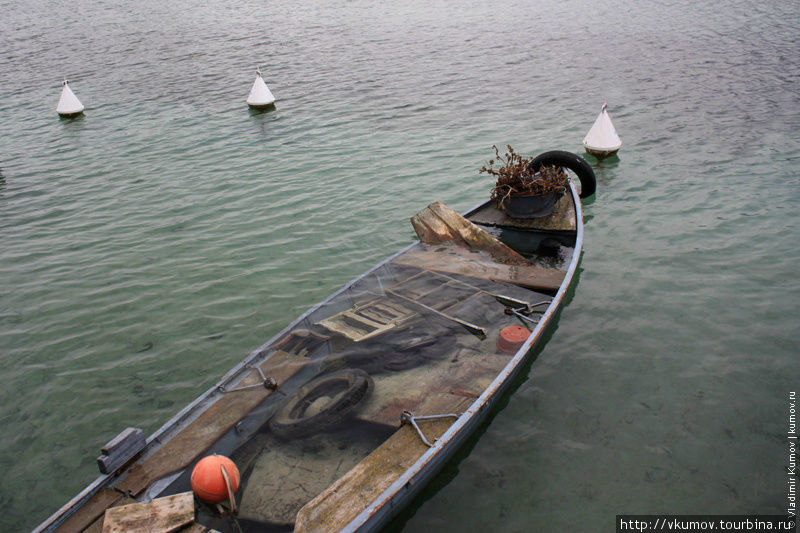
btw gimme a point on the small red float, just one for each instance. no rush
(208, 481)
(512, 338)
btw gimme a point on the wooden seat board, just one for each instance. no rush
(561, 219)
(455, 260)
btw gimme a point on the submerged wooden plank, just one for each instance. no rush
(161, 515)
(437, 224)
(340, 503)
(92, 511)
(561, 219)
(453, 260)
(215, 421)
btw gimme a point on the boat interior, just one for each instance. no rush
(328, 415)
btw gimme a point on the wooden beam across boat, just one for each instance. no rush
(561, 219)
(455, 260)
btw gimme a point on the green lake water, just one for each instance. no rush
(151, 244)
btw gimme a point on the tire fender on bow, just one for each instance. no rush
(571, 161)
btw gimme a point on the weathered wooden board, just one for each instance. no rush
(89, 513)
(561, 219)
(189, 443)
(454, 260)
(367, 320)
(437, 224)
(97, 525)
(161, 515)
(340, 503)
(121, 449)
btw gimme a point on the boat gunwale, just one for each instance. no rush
(194, 409)
(183, 417)
(371, 518)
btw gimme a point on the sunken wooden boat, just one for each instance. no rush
(340, 419)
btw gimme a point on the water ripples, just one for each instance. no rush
(150, 245)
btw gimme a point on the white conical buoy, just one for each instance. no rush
(602, 139)
(68, 104)
(260, 95)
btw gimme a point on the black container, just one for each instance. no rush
(531, 206)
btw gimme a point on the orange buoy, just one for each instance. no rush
(208, 481)
(512, 338)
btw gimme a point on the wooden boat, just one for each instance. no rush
(340, 419)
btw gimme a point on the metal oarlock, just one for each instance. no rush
(408, 418)
(268, 383)
(519, 313)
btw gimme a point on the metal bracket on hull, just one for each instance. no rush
(408, 418)
(522, 313)
(268, 383)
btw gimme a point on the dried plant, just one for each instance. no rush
(515, 177)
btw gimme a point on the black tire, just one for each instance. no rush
(571, 161)
(349, 387)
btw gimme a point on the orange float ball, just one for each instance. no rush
(208, 483)
(512, 338)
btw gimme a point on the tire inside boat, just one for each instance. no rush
(345, 389)
(571, 161)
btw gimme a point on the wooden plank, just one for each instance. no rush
(362, 319)
(454, 261)
(477, 330)
(121, 449)
(561, 219)
(437, 224)
(122, 439)
(161, 515)
(356, 324)
(340, 503)
(214, 422)
(92, 511)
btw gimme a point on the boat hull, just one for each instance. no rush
(400, 494)
(87, 507)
